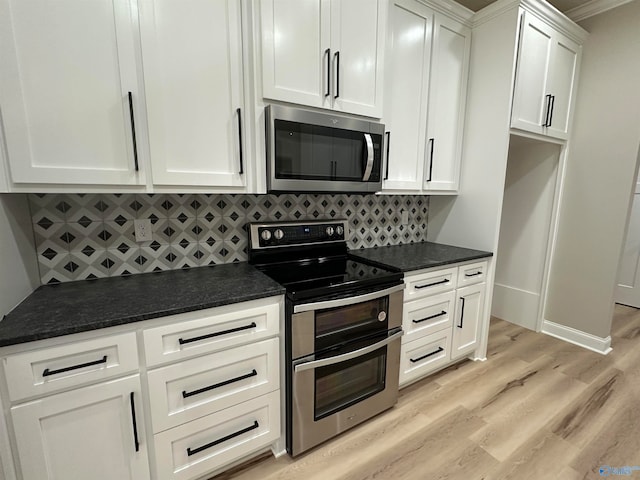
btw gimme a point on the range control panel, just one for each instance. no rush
(279, 234)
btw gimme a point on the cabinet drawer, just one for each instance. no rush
(472, 273)
(429, 283)
(427, 315)
(45, 371)
(205, 331)
(201, 446)
(424, 355)
(194, 388)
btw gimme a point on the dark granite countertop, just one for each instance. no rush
(62, 309)
(416, 256)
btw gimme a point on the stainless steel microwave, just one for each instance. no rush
(322, 152)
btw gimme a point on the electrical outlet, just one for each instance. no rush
(405, 217)
(143, 230)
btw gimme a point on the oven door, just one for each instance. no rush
(336, 392)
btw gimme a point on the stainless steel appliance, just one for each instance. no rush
(342, 328)
(320, 152)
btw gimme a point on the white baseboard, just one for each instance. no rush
(577, 337)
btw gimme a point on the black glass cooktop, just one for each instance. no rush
(329, 277)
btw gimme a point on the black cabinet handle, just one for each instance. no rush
(133, 132)
(337, 56)
(432, 141)
(386, 171)
(461, 313)
(48, 372)
(239, 112)
(446, 280)
(546, 117)
(435, 352)
(472, 274)
(135, 423)
(430, 317)
(553, 104)
(328, 54)
(186, 394)
(220, 440)
(216, 334)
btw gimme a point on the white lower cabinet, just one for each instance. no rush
(442, 315)
(204, 445)
(467, 322)
(94, 432)
(423, 356)
(208, 380)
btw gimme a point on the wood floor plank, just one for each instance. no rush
(536, 408)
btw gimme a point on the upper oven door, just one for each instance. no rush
(310, 151)
(319, 326)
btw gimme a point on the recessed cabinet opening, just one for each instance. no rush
(526, 231)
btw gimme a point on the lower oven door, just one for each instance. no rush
(333, 394)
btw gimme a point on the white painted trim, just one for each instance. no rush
(592, 8)
(577, 337)
(451, 9)
(543, 10)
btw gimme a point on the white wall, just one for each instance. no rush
(18, 261)
(599, 174)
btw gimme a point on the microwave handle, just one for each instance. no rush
(369, 166)
(347, 356)
(343, 302)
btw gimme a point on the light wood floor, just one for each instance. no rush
(538, 408)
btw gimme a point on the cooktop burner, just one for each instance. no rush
(310, 259)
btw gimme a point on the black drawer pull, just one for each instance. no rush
(216, 334)
(430, 317)
(461, 313)
(414, 360)
(186, 394)
(48, 372)
(446, 280)
(221, 440)
(133, 131)
(473, 274)
(136, 441)
(239, 112)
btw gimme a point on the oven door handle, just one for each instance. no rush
(347, 356)
(369, 165)
(343, 302)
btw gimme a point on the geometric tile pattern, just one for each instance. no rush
(85, 236)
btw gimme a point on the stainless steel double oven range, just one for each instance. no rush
(343, 325)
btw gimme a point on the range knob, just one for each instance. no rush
(278, 234)
(330, 231)
(265, 235)
(339, 230)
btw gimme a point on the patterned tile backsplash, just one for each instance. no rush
(84, 236)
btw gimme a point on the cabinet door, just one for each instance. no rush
(296, 51)
(357, 49)
(192, 57)
(467, 320)
(563, 73)
(84, 433)
(531, 89)
(447, 100)
(406, 88)
(67, 70)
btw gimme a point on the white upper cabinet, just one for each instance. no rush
(426, 86)
(324, 53)
(447, 102)
(546, 75)
(192, 60)
(69, 92)
(407, 85)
